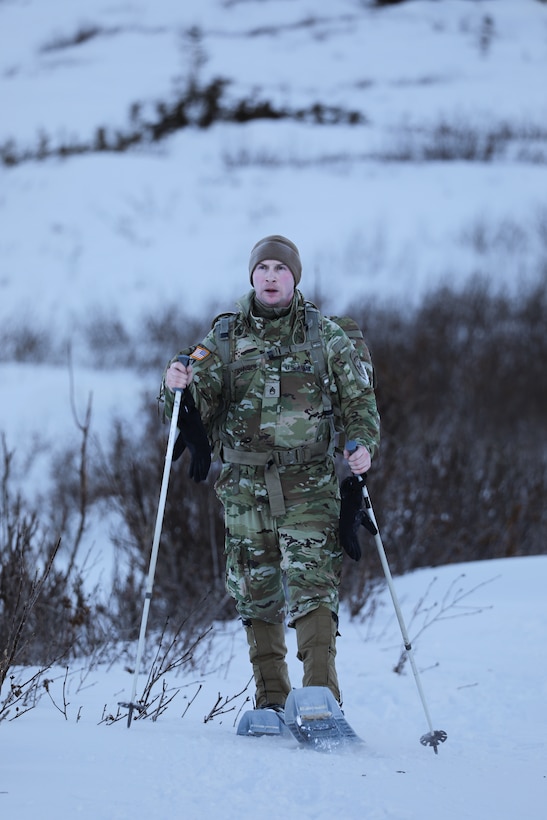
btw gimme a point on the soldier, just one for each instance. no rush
(273, 425)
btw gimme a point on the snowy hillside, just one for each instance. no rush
(174, 222)
(443, 179)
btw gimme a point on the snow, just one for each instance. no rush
(482, 666)
(125, 236)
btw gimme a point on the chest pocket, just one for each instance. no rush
(300, 391)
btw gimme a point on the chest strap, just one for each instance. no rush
(315, 451)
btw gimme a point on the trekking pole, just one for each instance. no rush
(433, 737)
(133, 704)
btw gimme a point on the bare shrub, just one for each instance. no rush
(196, 105)
(44, 615)
(457, 140)
(382, 3)
(176, 649)
(157, 331)
(462, 469)
(84, 33)
(26, 341)
(107, 340)
(190, 562)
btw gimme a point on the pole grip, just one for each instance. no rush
(351, 447)
(185, 360)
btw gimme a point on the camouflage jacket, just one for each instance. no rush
(277, 402)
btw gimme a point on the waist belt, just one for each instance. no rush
(315, 451)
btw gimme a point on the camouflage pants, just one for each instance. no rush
(291, 563)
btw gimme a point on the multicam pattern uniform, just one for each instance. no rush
(291, 559)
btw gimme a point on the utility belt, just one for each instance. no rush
(271, 460)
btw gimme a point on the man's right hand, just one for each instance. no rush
(177, 376)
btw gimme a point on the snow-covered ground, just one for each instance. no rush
(123, 236)
(483, 668)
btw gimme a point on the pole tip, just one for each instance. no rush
(433, 739)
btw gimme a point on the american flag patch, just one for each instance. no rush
(200, 353)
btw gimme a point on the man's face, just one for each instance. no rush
(273, 283)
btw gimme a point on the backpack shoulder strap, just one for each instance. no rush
(317, 346)
(223, 326)
(314, 337)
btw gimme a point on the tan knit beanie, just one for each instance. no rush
(280, 248)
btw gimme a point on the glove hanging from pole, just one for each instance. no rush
(352, 515)
(192, 435)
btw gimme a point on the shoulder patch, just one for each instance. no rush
(200, 353)
(359, 365)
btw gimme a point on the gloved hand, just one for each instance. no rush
(192, 435)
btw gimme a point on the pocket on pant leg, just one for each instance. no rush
(237, 576)
(312, 555)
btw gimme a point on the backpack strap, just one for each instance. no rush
(223, 328)
(224, 337)
(317, 352)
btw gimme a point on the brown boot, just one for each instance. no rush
(267, 650)
(316, 640)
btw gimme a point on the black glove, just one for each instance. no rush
(192, 435)
(352, 515)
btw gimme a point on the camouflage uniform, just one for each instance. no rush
(278, 483)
